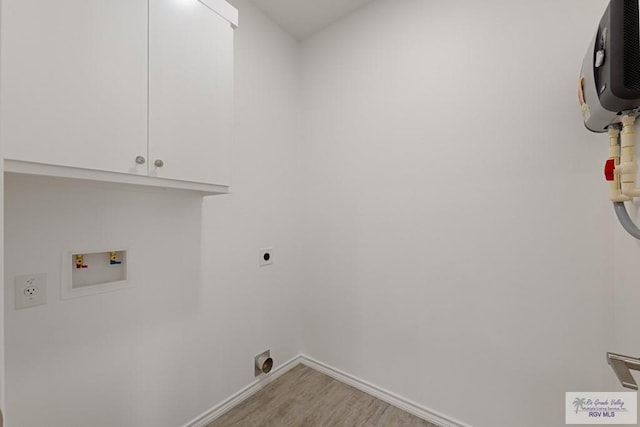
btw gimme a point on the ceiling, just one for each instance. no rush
(301, 18)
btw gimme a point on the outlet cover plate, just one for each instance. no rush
(266, 257)
(30, 290)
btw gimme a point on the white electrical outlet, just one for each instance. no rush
(31, 290)
(266, 257)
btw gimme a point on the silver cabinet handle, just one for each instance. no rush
(140, 160)
(622, 366)
(159, 163)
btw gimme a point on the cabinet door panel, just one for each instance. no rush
(74, 82)
(190, 91)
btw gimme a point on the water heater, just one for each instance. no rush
(610, 77)
(609, 94)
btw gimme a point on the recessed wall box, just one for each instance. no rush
(91, 272)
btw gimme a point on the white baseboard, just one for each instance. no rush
(375, 391)
(382, 394)
(236, 399)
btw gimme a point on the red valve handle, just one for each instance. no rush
(609, 169)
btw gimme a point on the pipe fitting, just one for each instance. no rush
(628, 169)
(615, 191)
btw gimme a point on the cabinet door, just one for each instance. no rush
(74, 82)
(190, 92)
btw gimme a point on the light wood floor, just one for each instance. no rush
(304, 397)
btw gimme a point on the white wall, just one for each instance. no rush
(458, 229)
(626, 292)
(184, 338)
(403, 255)
(2, 317)
(3, 378)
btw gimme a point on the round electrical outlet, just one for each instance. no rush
(31, 291)
(266, 257)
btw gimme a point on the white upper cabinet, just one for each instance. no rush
(190, 91)
(133, 91)
(74, 83)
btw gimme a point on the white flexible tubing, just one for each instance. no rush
(628, 166)
(615, 192)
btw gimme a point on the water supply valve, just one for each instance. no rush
(609, 170)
